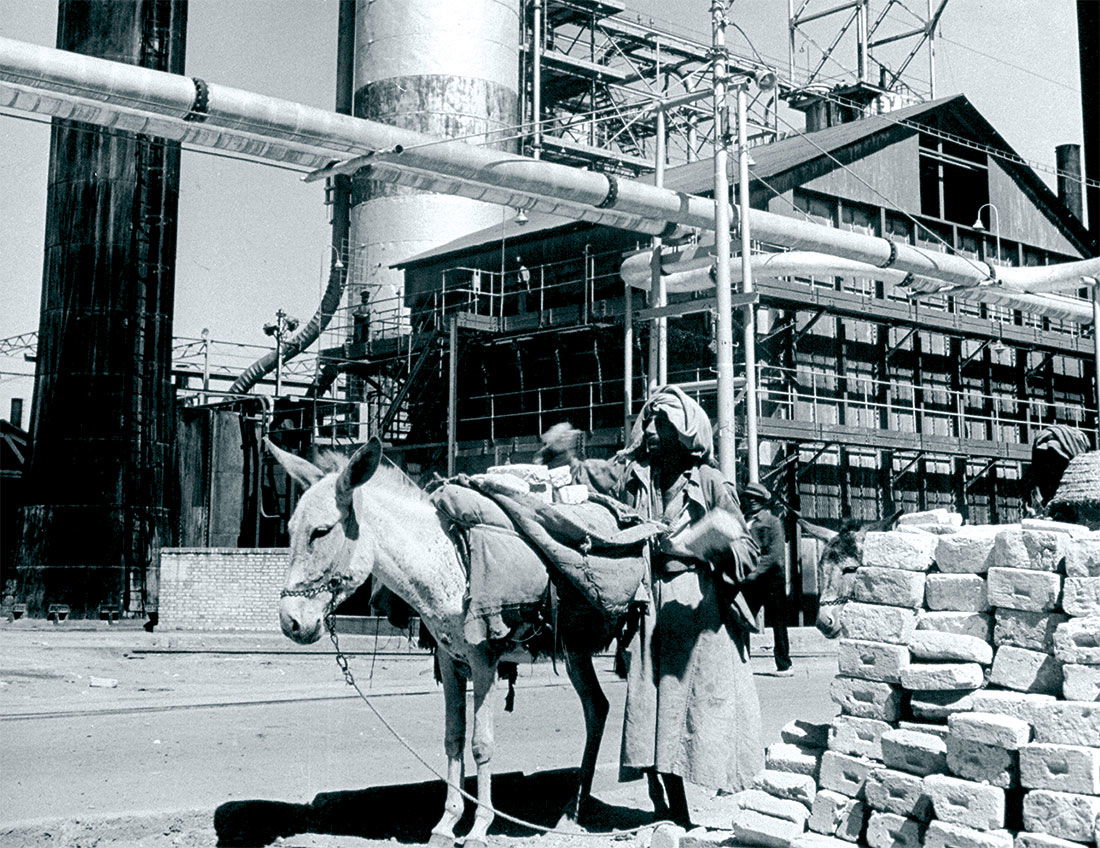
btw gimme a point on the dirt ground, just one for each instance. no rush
(116, 738)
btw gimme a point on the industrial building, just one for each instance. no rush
(473, 320)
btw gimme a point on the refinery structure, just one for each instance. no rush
(902, 308)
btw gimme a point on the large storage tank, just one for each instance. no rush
(103, 420)
(442, 68)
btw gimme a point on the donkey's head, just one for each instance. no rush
(329, 558)
(842, 555)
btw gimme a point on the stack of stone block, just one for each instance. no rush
(969, 696)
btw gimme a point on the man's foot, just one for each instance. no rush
(784, 672)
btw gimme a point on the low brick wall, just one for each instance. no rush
(221, 588)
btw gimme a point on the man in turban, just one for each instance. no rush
(692, 711)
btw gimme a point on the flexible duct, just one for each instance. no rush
(49, 81)
(698, 276)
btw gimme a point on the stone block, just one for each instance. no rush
(1081, 596)
(933, 706)
(783, 756)
(978, 624)
(889, 830)
(667, 836)
(893, 549)
(838, 815)
(935, 646)
(1023, 629)
(1062, 814)
(946, 835)
(914, 752)
(857, 737)
(1004, 731)
(875, 623)
(866, 698)
(716, 812)
(1021, 705)
(956, 592)
(1026, 671)
(872, 660)
(808, 734)
(942, 517)
(845, 774)
(1078, 641)
(1068, 723)
(753, 828)
(964, 802)
(939, 677)
(967, 551)
(891, 791)
(938, 729)
(785, 784)
(982, 763)
(889, 586)
(1081, 682)
(819, 840)
(701, 837)
(1037, 550)
(1042, 840)
(1024, 589)
(1074, 531)
(761, 802)
(1083, 556)
(1063, 768)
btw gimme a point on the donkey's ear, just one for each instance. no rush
(304, 472)
(817, 531)
(886, 523)
(359, 470)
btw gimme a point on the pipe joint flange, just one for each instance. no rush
(893, 257)
(612, 193)
(671, 229)
(201, 104)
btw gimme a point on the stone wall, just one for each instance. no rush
(221, 588)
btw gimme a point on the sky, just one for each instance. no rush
(254, 239)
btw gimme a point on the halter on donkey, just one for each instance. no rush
(360, 519)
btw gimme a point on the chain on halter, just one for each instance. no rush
(349, 678)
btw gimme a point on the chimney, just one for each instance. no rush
(1068, 157)
(16, 416)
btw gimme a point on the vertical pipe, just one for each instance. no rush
(1096, 347)
(727, 456)
(749, 320)
(658, 336)
(862, 37)
(790, 41)
(205, 364)
(536, 81)
(628, 360)
(452, 395)
(931, 55)
(1068, 159)
(1088, 23)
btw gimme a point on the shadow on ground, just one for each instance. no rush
(407, 812)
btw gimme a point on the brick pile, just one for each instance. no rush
(969, 696)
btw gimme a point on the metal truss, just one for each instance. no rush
(597, 80)
(886, 37)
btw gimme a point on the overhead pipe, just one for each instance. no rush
(55, 82)
(635, 273)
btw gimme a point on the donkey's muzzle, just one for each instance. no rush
(301, 619)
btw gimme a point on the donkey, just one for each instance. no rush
(842, 555)
(361, 518)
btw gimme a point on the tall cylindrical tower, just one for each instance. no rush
(447, 69)
(103, 419)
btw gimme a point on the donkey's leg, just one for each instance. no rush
(454, 743)
(582, 674)
(483, 673)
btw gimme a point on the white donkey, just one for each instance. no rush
(362, 519)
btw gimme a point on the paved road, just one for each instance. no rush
(132, 762)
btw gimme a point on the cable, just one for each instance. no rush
(1005, 62)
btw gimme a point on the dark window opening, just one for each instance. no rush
(954, 180)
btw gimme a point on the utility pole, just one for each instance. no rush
(749, 313)
(658, 339)
(727, 456)
(205, 364)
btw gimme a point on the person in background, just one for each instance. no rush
(769, 575)
(692, 710)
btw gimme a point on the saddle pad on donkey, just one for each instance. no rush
(508, 579)
(598, 546)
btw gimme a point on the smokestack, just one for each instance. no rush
(1068, 157)
(16, 415)
(1088, 46)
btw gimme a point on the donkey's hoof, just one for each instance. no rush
(441, 840)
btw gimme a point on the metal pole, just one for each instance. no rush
(536, 81)
(452, 396)
(727, 456)
(205, 364)
(658, 337)
(280, 325)
(790, 41)
(628, 359)
(862, 38)
(749, 316)
(931, 56)
(1096, 347)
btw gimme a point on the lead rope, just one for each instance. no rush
(349, 678)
